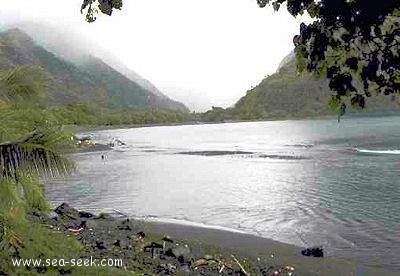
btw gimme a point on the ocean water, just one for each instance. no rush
(308, 183)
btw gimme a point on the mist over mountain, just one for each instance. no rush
(79, 50)
(75, 76)
(65, 83)
(287, 95)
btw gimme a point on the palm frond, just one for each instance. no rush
(22, 117)
(12, 126)
(22, 83)
(34, 195)
(37, 154)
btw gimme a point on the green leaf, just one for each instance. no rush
(117, 4)
(36, 154)
(22, 83)
(313, 10)
(301, 62)
(90, 17)
(334, 102)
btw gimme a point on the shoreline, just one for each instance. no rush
(247, 245)
(198, 241)
(86, 128)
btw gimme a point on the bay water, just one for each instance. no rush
(306, 182)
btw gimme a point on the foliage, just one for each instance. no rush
(146, 116)
(354, 43)
(121, 91)
(31, 145)
(77, 114)
(216, 114)
(36, 154)
(29, 140)
(105, 6)
(21, 83)
(19, 119)
(89, 114)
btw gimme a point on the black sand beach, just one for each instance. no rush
(271, 252)
(192, 250)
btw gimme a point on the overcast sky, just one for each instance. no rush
(201, 52)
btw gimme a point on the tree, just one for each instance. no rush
(29, 141)
(36, 150)
(354, 43)
(29, 148)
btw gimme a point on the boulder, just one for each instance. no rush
(314, 252)
(64, 210)
(84, 214)
(100, 246)
(180, 252)
(155, 249)
(117, 243)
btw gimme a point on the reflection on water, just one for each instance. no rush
(300, 182)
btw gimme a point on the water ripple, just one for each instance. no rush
(298, 182)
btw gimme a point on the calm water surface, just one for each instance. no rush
(302, 182)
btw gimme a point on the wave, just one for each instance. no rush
(153, 218)
(378, 151)
(247, 154)
(191, 223)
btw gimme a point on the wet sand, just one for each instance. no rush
(271, 252)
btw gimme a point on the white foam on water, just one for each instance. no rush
(194, 224)
(379, 151)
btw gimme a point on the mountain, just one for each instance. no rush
(117, 84)
(286, 94)
(65, 83)
(89, 80)
(74, 47)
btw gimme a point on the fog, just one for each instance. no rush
(201, 53)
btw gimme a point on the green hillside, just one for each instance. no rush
(66, 83)
(287, 95)
(117, 84)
